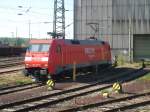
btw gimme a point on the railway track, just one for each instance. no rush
(60, 96)
(18, 88)
(10, 64)
(114, 105)
(131, 102)
(15, 86)
(10, 70)
(70, 104)
(10, 59)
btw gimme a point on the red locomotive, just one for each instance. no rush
(47, 58)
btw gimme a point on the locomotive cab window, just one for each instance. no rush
(58, 49)
(39, 48)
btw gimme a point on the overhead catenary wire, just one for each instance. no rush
(38, 14)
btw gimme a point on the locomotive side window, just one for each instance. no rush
(58, 49)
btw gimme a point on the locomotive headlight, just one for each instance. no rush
(27, 64)
(45, 65)
(28, 58)
(44, 58)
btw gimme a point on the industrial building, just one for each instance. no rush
(125, 24)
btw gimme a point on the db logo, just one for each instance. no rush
(89, 51)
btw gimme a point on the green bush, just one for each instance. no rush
(121, 59)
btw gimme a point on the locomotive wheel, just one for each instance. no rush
(42, 79)
(25, 72)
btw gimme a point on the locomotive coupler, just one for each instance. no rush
(43, 71)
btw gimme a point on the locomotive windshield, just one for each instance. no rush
(39, 48)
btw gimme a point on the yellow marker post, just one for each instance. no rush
(117, 87)
(50, 84)
(106, 94)
(74, 71)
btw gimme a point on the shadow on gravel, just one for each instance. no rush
(90, 77)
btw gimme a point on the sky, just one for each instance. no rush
(15, 16)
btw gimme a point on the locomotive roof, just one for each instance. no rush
(40, 41)
(69, 41)
(84, 42)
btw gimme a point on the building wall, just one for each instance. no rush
(111, 20)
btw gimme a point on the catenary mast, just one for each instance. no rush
(58, 20)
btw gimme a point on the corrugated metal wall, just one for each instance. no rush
(110, 20)
(97, 13)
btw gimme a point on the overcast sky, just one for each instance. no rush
(14, 20)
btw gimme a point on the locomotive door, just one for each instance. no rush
(58, 55)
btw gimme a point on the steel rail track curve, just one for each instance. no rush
(20, 88)
(15, 86)
(143, 103)
(6, 65)
(11, 58)
(2, 72)
(85, 107)
(50, 102)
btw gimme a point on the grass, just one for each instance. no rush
(19, 78)
(122, 61)
(137, 65)
(13, 79)
(145, 78)
(131, 65)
